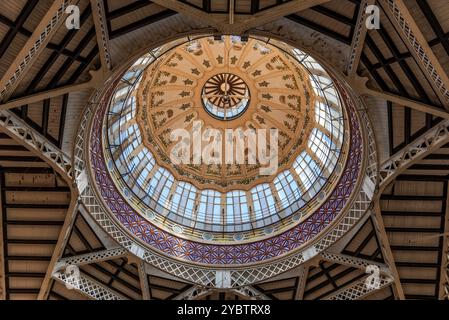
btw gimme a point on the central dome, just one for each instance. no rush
(201, 90)
(224, 85)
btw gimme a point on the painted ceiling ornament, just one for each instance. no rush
(225, 96)
(243, 86)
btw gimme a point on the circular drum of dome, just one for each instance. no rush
(226, 215)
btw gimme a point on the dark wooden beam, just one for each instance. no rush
(434, 24)
(57, 52)
(27, 258)
(141, 23)
(317, 27)
(417, 264)
(33, 222)
(412, 230)
(83, 66)
(62, 119)
(68, 62)
(437, 167)
(29, 170)
(45, 115)
(255, 5)
(422, 177)
(32, 241)
(349, 21)
(26, 274)
(207, 6)
(117, 13)
(18, 25)
(410, 214)
(411, 198)
(36, 206)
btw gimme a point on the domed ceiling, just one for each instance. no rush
(226, 84)
(223, 85)
(224, 215)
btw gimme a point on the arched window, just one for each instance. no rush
(160, 184)
(236, 207)
(287, 189)
(307, 169)
(209, 207)
(184, 199)
(263, 201)
(320, 144)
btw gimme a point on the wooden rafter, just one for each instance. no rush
(359, 85)
(16, 26)
(143, 278)
(240, 23)
(33, 47)
(301, 282)
(102, 33)
(386, 250)
(95, 81)
(60, 246)
(417, 44)
(358, 39)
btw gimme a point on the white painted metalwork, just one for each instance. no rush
(353, 261)
(418, 149)
(251, 293)
(359, 289)
(193, 293)
(359, 38)
(418, 49)
(16, 127)
(102, 32)
(89, 287)
(91, 258)
(204, 276)
(38, 46)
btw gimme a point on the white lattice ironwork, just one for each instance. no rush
(88, 286)
(37, 47)
(371, 164)
(12, 124)
(353, 261)
(359, 38)
(251, 293)
(206, 276)
(358, 289)
(91, 258)
(427, 143)
(193, 293)
(419, 51)
(102, 32)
